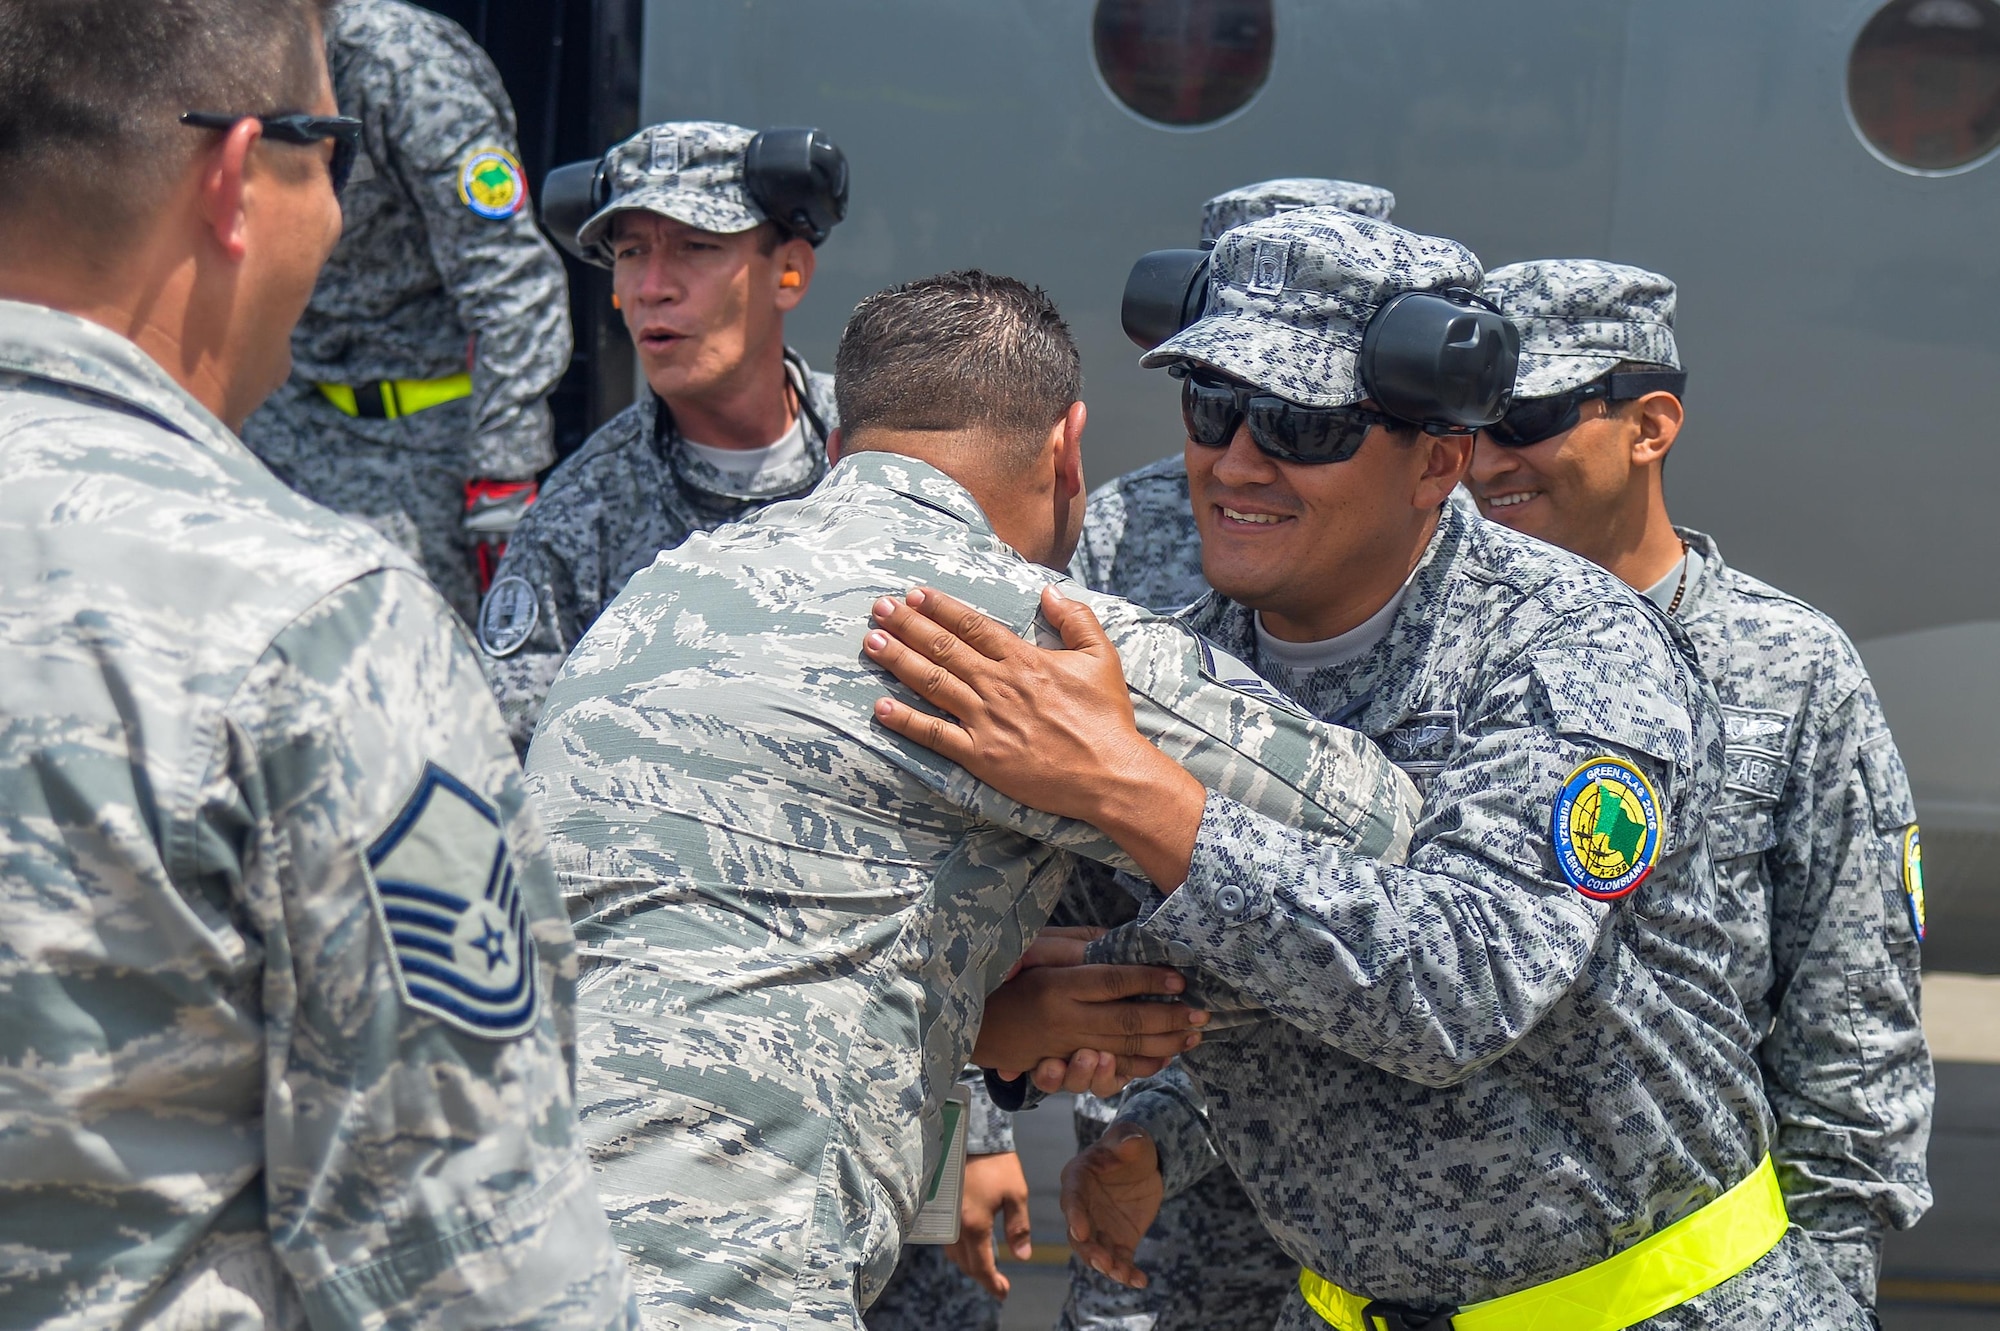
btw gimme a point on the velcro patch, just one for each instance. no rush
(492, 184)
(507, 616)
(1606, 828)
(451, 906)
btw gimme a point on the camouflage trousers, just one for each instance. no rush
(1789, 1289)
(405, 478)
(1210, 1263)
(929, 1293)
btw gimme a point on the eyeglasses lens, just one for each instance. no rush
(1210, 413)
(342, 162)
(1531, 420)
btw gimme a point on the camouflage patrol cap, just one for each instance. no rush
(689, 170)
(1579, 318)
(1267, 198)
(1290, 297)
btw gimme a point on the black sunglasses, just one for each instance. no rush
(1212, 409)
(1532, 419)
(345, 131)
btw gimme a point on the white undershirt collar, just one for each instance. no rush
(746, 464)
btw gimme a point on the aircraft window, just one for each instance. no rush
(1923, 82)
(1184, 63)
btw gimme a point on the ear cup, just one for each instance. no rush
(1440, 359)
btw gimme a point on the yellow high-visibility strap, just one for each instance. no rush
(415, 395)
(1664, 1270)
(342, 398)
(403, 397)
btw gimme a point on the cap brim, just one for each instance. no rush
(1307, 368)
(1544, 375)
(697, 208)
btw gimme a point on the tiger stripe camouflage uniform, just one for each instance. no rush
(288, 986)
(1815, 838)
(1212, 1267)
(630, 492)
(634, 488)
(1480, 1076)
(792, 916)
(439, 261)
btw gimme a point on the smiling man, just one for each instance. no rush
(732, 419)
(1815, 839)
(1509, 1076)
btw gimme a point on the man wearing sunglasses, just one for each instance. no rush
(1509, 1075)
(1139, 537)
(1815, 839)
(421, 369)
(286, 983)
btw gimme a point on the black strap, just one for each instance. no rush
(1638, 383)
(368, 402)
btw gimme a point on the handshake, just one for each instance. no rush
(1080, 1027)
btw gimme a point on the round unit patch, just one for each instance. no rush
(507, 616)
(491, 184)
(1606, 828)
(1913, 877)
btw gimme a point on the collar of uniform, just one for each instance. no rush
(1384, 681)
(1702, 594)
(914, 480)
(40, 343)
(765, 487)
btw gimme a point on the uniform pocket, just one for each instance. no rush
(1888, 785)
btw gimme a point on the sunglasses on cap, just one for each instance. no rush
(1212, 408)
(1532, 419)
(345, 131)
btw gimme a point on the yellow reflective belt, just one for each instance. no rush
(1662, 1271)
(402, 397)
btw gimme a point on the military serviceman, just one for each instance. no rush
(1815, 837)
(421, 369)
(1509, 1076)
(732, 418)
(1211, 1265)
(793, 919)
(1139, 538)
(287, 987)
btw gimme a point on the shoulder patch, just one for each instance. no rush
(507, 616)
(492, 184)
(1913, 878)
(1230, 672)
(458, 930)
(1606, 828)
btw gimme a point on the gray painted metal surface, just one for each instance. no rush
(1836, 312)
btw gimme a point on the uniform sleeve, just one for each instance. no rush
(1435, 968)
(534, 612)
(452, 146)
(1171, 1109)
(989, 1130)
(1845, 1064)
(422, 1164)
(1238, 738)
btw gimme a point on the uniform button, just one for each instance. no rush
(1180, 954)
(1229, 897)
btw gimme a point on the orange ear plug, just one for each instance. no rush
(614, 302)
(791, 278)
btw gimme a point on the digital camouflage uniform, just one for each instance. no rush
(439, 255)
(288, 987)
(792, 916)
(633, 489)
(1139, 538)
(1210, 1263)
(630, 492)
(1815, 836)
(1479, 1077)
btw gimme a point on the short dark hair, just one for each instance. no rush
(91, 93)
(961, 350)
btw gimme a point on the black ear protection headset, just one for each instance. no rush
(796, 177)
(1444, 360)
